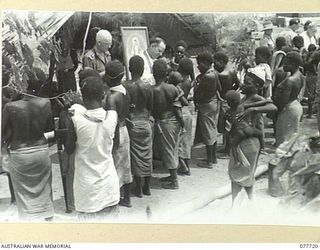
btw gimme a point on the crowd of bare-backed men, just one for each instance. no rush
(112, 135)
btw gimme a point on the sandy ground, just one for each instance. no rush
(192, 202)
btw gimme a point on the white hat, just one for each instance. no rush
(268, 26)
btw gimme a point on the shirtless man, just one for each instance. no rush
(205, 98)
(24, 123)
(167, 124)
(140, 129)
(118, 100)
(286, 99)
(229, 81)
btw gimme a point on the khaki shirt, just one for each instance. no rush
(93, 60)
(267, 41)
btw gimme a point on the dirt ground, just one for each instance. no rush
(196, 201)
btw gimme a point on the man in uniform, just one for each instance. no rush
(267, 39)
(155, 50)
(97, 57)
(205, 99)
(23, 126)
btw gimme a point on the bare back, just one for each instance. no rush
(120, 103)
(27, 120)
(185, 85)
(140, 97)
(164, 95)
(289, 90)
(228, 80)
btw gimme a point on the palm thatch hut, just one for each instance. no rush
(29, 36)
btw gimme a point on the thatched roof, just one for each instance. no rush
(196, 29)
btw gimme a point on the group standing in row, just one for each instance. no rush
(114, 134)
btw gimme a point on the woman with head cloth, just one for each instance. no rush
(244, 154)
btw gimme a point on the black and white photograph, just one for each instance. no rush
(160, 117)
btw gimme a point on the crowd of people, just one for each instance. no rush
(119, 126)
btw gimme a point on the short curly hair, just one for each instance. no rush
(205, 57)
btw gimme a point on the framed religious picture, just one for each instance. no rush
(135, 41)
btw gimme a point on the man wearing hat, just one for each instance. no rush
(97, 57)
(267, 39)
(290, 32)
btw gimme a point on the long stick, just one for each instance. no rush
(63, 176)
(86, 35)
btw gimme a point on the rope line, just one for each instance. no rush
(48, 98)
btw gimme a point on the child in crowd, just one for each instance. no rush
(262, 58)
(239, 128)
(175, 78)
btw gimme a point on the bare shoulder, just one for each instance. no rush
(143, 84)
(171, 88)
(293, 80)
(43, 102)
(257, 98)
(210, 75)
(8, 107)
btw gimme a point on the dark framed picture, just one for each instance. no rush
(135, 41)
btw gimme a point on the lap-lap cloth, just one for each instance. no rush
(169, 130)
(185, 142)
(206, 128)
(223, 107)
(288, 121)
(140, 133)
(310, 91)
(31, 173)
(243, 162)
(121, 157)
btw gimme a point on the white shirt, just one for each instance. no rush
(147, 73)
(308, 40)
(96, 183)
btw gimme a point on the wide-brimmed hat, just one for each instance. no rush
(268, 26)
